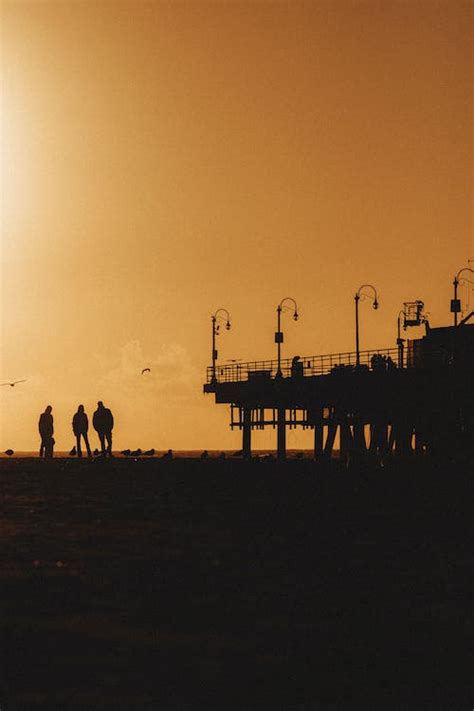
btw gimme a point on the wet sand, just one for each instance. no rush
(212, 584)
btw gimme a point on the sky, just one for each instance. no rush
(162, 160)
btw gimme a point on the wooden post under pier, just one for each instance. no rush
(318, 440)
(281, 433)
(246, 433)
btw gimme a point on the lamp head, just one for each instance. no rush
(295, 316)
(227, 325)
(376, 304)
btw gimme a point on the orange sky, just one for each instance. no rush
(163, 159)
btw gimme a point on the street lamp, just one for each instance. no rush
(456, 303)
(356, 299)
(215, 332)
(279, 333)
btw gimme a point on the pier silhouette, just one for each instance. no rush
(414, 399)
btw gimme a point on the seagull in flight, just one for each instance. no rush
(146, 370)
(14, 383)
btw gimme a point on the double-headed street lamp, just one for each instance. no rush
(357, 299)
(215, 332)
(456, 303)
(279, 333)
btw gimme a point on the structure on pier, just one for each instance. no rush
(423, 403)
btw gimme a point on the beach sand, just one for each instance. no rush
(194, 584)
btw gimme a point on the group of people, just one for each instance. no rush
(102, 421)
(381, 362)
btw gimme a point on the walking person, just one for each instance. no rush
(103, 422)
(80, 427)
(46, 430)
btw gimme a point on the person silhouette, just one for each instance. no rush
(296, 367)
(80, 426)
(46, 430)
(103, 422)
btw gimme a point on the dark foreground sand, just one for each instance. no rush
(228, 585)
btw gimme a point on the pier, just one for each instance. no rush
(380, 402)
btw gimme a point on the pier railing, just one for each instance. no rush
(307, 365)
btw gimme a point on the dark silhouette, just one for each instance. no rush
(136, 452)
(80, 427)
(126, 452)
(146, 370)
(205, 454)
(378, 362)
(149, 452)
(12, 384)
(168, 454)
(103, 422)
(46, 430)
(296, 367)
(73, 452)
(9, 452)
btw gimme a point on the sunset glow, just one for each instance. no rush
(162, 160)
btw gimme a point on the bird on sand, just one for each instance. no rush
(126, 452)
(149, 452)
(73, 452)
(96, 453)
(12, 384)
(146, 370)
(136, 452)
(9, 452)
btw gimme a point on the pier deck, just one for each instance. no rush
(422, 401)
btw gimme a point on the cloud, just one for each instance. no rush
(172, 376)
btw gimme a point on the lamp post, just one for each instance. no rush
(456, 303)
(279, 333)
(357, 299)
(215, 332)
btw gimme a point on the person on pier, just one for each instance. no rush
(296, 367)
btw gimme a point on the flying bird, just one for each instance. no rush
(146, 370)
(14, 382)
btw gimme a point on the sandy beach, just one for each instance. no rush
(195, 584)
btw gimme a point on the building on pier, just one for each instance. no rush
(424, 403)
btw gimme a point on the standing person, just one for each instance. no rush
(296, 367)
(103, 422)
(46, 430)
(80, 426)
